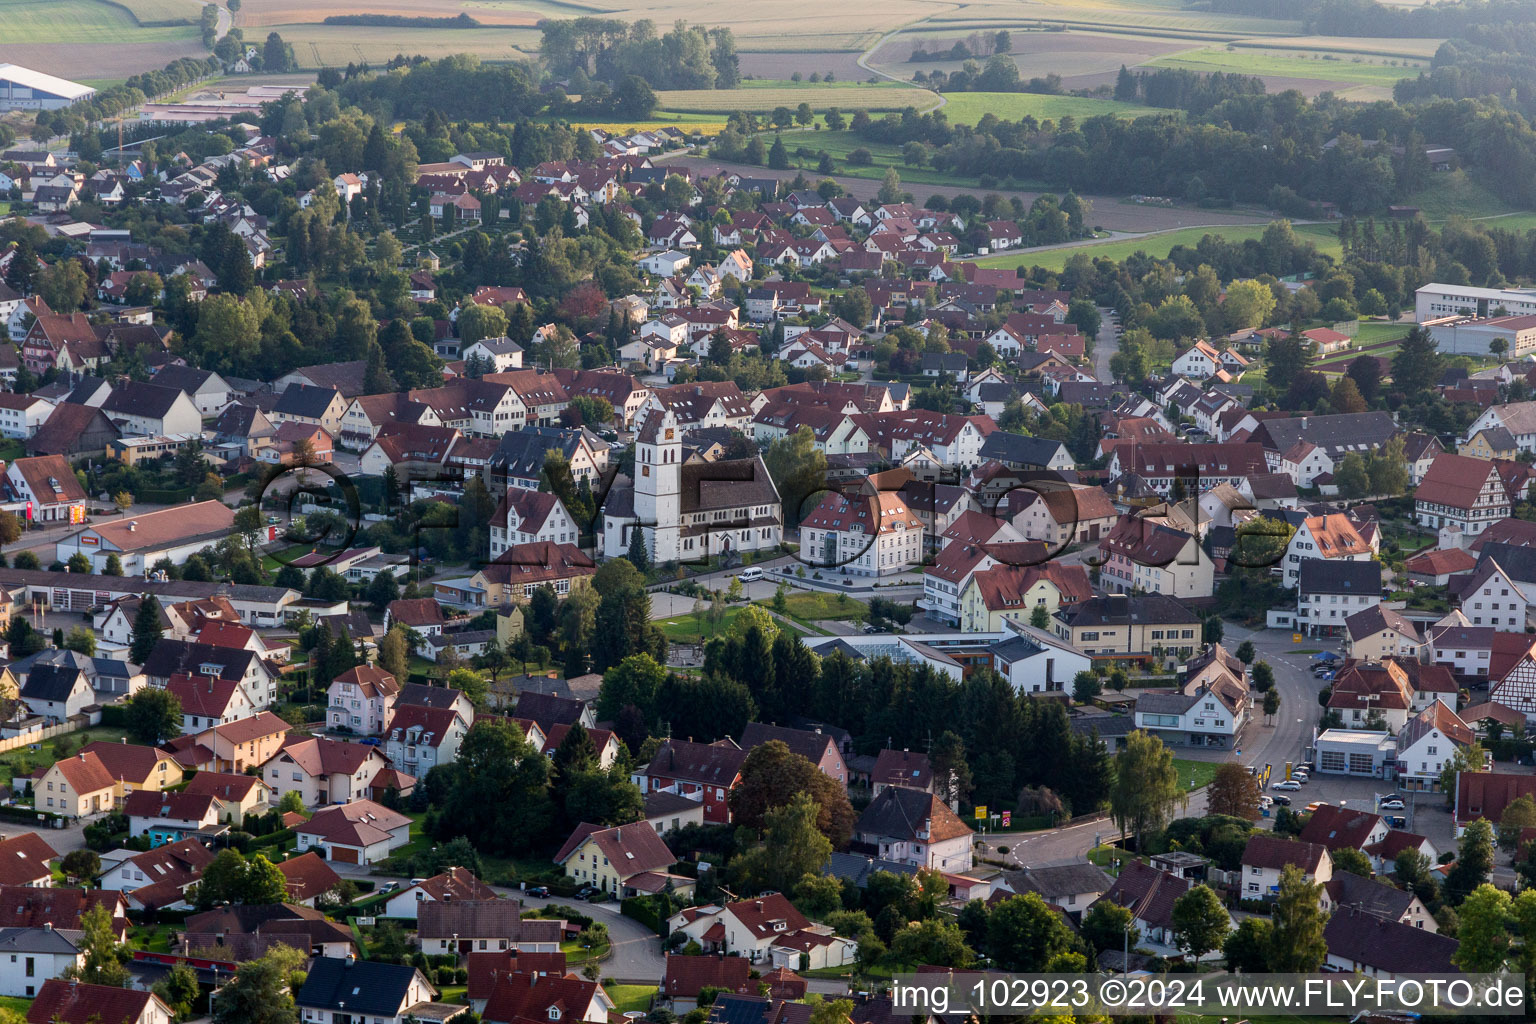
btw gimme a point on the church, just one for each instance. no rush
(690, 510)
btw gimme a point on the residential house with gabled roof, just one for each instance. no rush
(234, 794)
(915, 827)
(48, 486)
(72, 1002)
(188, 657)
(1364, 691)
(515, 998)
(141, 409)
(1461, 492)
(705, 772)
(323, 770)
(1149, 894)
(420, 738)
(158, 879)
(1489, 596)
(908, 768)
(1348, 893)
(361, 700)
(1143, 554)
(171, 816)
(456, 883)
(25, 861)
(1428, 743)
(207, 701)
(1329, 592)
(819, 748)
(337, 989)
(1332, 537)
(1007, 589)
(1062, 514)
(625, 860)
(1337, 828)
(480, 926)
(56, 692)
(322, 407)
(1266, 856)
(1360, 942)
(1380, 632)
(359, 832)
(863, 534)
(686, 976)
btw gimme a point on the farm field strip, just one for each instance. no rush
(1156, 243)
(876, 97)
(970, 107)
(76, 22)
(1253, 62)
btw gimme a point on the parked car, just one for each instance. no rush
(750, 575)
(1283, 800)
(389, 887)
(1391, 803)
(1288, 786)
(585, 891)
(1396, 821)
(538, 890)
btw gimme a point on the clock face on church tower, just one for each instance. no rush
(669, 433)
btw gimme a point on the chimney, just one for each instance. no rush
(81, 755)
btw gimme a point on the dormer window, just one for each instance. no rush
(554, 1013)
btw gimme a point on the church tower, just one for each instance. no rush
(658, 476)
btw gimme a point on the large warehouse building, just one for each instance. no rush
(24, 89)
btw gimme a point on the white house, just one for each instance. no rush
(665, 263)
(1332, 537)
(1266, 856)
(914, 827)
(1037, 661)
(1427, 743)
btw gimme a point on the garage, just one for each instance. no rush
(343, 854)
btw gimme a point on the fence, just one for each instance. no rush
(26, 739)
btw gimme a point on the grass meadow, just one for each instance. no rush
(1158, 243)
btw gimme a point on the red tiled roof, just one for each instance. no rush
(24, 859)
(69, 1002)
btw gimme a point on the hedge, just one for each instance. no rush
(115, 715)
(165, 496)
(33, 816)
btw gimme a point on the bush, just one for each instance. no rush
(861, 157)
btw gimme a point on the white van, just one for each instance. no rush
(750, 575)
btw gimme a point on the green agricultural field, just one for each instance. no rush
(838, 145)
(79, 21)
(970, 107)
(763, 97)
(1159, 244)
(160, 11)
(1329, 67)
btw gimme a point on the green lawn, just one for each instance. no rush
(23, 761)
(1158, 244)
(1194, 774)
(1382, 71)
(685, 629)
(1455, 194)
(15, 1004)
(970, 107)
(631, 997)
(817, 605)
